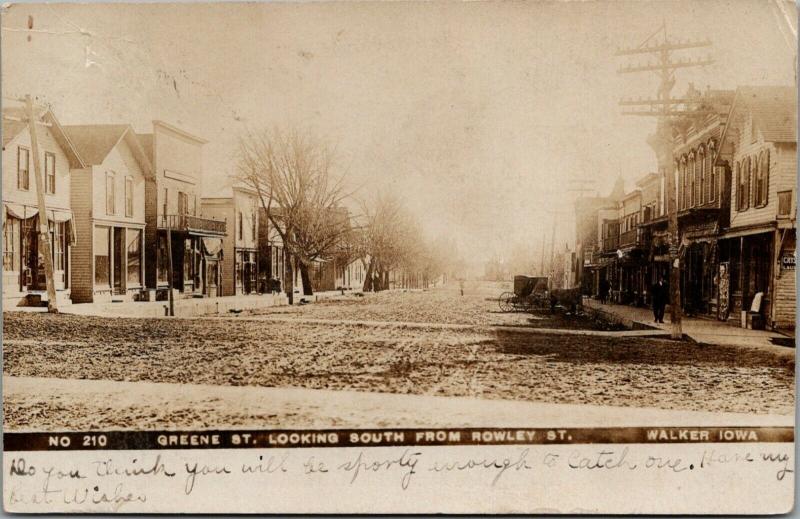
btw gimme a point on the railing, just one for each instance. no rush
(629, 237)
(610, 243)
(186, 222)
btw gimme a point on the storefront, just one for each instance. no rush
(118, 253)
(758, 264)
(23, 265)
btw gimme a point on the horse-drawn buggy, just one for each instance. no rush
(530, 293)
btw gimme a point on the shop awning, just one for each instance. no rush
(61, 216)
(748, 231)
(20, 211)
(212, 246)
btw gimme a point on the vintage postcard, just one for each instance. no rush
(399, 257)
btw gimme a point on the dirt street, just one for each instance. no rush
(395, 358)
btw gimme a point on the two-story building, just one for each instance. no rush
(590, 233)
(24, 280)
(172, 215)
(240, 273)
(757, 254)
(653, 230)
(108, 201)
(271, 255)
(702, 197)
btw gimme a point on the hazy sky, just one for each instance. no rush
(478, 114)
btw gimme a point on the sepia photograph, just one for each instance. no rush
(397, 234)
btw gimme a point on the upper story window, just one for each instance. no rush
(165, 204)
(183, 203)
(761, 180)
(240, 225)
(712, 173)
(743, 184)
(111, 193)
(23, 168)
(50, 172)
(701, 182)
(128, 196)
(692, 174)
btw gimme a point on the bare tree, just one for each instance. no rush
(301, 195)
(389, 237)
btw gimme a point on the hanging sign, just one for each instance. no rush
(788, 260)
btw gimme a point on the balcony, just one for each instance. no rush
(630, 238)
(193, 224)
(610, 243)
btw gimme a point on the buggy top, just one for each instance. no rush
(526, 285)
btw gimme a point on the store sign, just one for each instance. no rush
(788, 261)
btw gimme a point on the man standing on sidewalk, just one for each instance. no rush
(659, 294)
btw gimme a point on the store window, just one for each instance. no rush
(102, 259)
(57, 239)
(163, 260)
(11, 243)
(134, 253)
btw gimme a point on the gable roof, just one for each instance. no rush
(773, 108)
(95, 142)
(774, 111)
(14, 123)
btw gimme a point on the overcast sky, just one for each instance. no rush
(479, 114)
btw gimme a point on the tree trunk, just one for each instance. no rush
(368, 278)
(386, 280)
(289, 278)
(308, 290)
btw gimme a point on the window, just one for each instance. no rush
(761, 180)
(128, 196)
(134, 249)
(691, 173)
(102, 260)
(11, 245)
(708, 174)
(183, 203)
(701, 165)
(163, 259)
(110, 193)
(253, 225)
(744, 185)
(23, 168)
(165, 205)
(57, 239)
(784, 203)
(49, 172)
(240, 225)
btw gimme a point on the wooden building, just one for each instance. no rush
(240, 248)
(757, 253)
(24, 280)
(172, 208)
(108, 200)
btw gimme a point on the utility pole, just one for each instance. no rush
(44, 232)
(666, 108)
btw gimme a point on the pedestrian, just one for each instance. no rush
(604, 289)
(461, 286)
(659, 295)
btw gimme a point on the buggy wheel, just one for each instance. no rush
(506, 301)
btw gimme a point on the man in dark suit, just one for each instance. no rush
(659, 295)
